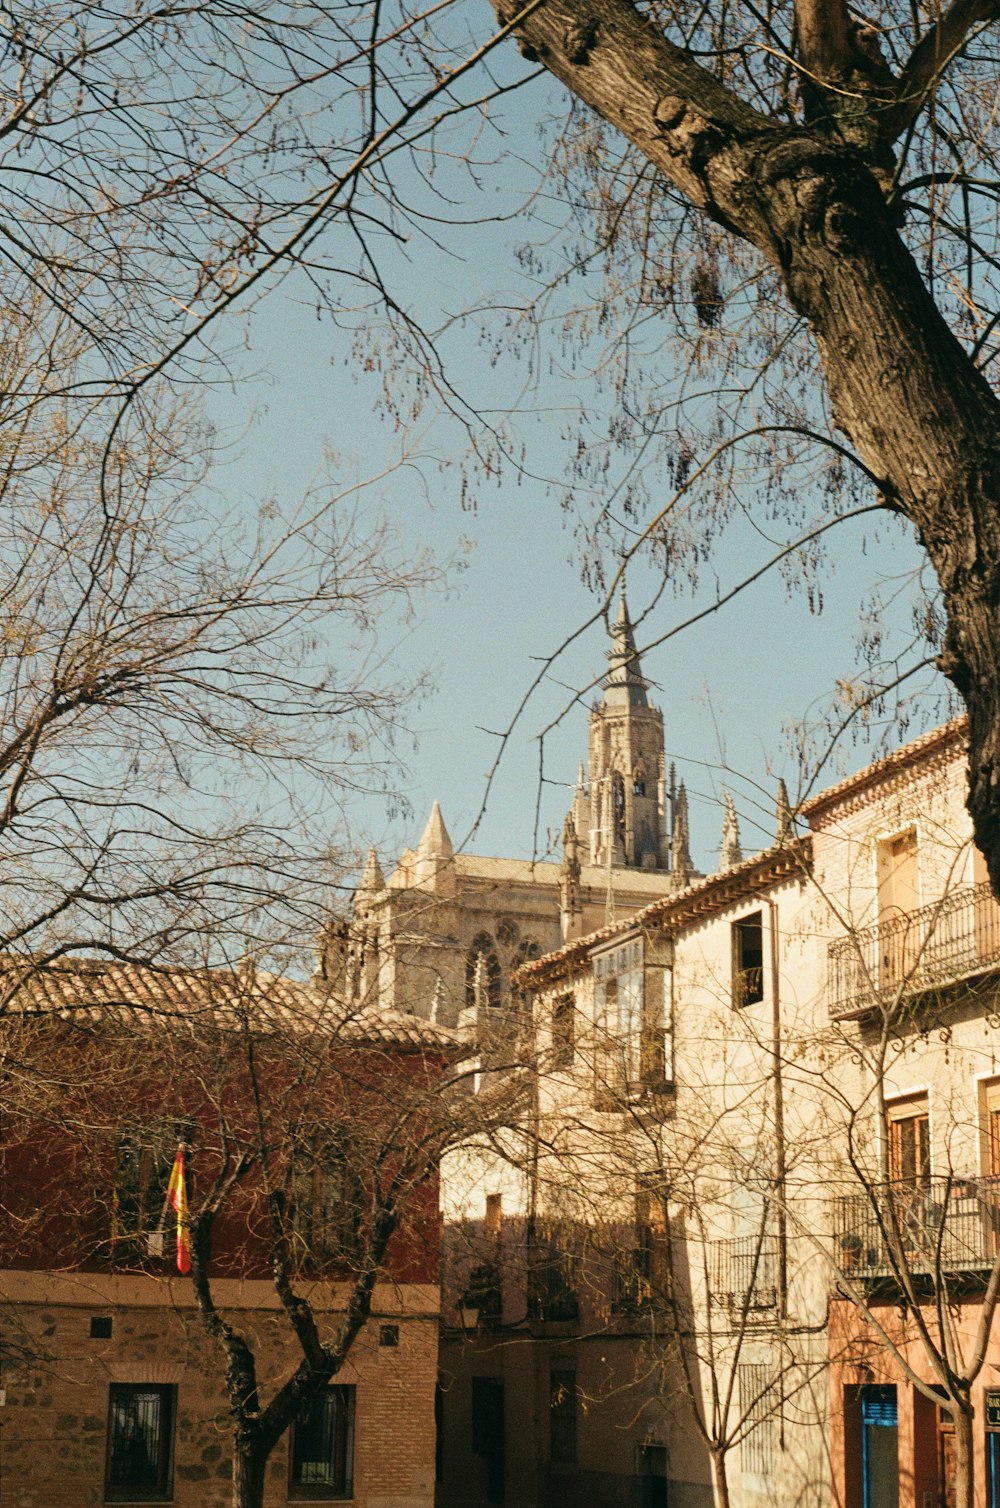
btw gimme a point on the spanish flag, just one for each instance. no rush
(178, 1202)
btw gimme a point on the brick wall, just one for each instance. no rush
(53, 1424)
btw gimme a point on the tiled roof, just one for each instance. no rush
(936, 741)
(713, 893)
(93, 989)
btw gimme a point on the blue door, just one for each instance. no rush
(993, 1469)
(880, 1446)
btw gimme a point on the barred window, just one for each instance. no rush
(321, 1449)
(552, 1276)
(325, 1199)
(757, 1403)
(140, 1443)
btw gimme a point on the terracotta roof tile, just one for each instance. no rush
(94, 989)
(935, 741)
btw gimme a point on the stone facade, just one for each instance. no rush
(412, 942)
(758, 1181)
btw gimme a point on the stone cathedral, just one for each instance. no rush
(442, 934)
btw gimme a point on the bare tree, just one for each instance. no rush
(805, 199)
(314, 1131)
(189, 695)
(842, 153)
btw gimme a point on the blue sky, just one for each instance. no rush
(729, 688)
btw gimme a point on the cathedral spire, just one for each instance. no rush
(682, 869)
(372, 880)
(730, 852)
(570, 898)
(624, 685)
(435, 856)
(620, 814)
(782, 817)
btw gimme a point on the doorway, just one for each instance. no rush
(879, 1446)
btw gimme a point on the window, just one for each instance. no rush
(632, 1044)
(563, 1031)
(562, 1417)
(909, 1141)
(989, 1110)
(325, 1202)
(140, 1443)
(618, 806)
(146, 1151)
(483, 947)
(898, 899)
(641, 1271)
(757, 1407)
(527, 952)
(748, 960)
(618, 1001)
(321, 1448)
(551, 1277)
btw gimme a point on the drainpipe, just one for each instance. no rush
(779, 1117)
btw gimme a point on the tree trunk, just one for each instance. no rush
(249, 1465)
(964, 1468)
(922, 417)
(720, 1479)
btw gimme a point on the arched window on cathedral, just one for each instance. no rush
(482, 946)
(638, 781)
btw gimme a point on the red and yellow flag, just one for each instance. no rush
(177, 1199)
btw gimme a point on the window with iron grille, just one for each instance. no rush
(552, 1277)
(140, 1443)
(325, 1199)
(640, 1274)
(757, 1405)
(321, 1447)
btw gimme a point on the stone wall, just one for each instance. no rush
(56, 1377)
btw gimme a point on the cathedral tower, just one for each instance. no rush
(627, 808)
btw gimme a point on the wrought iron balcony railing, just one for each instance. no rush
(744, 1272)
(908, 952)
(552, 1292)
(945, 1225)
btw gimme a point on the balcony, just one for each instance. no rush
(552, 1296)
(945, 1225)
(909, 952)
(744, 1272)
(639, 1278)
